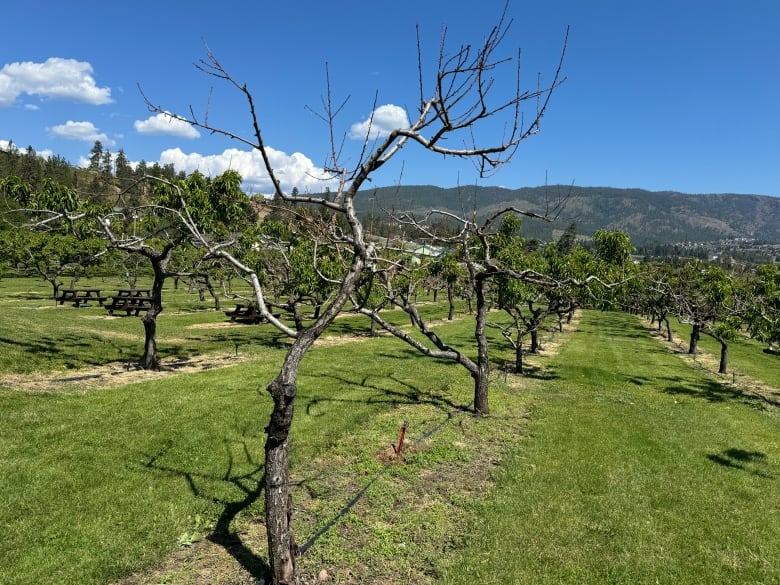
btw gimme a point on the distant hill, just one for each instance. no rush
(663, 217)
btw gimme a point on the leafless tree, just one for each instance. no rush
(453, 105)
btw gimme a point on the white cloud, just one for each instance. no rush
(292, 170)
(54, 78)
(84, 131)
(384, 120)
(164, 123)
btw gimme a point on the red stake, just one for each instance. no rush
(400, 440)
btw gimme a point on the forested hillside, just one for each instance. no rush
(663, 217)
(648, 217)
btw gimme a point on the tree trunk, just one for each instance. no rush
(519, 358)
(724, 356)
(481, 376)
(669, 336)
(149, 360)
(451, 301)
(695, 334)
(281, 542)
(534, 349)
(481, 393)
(297, 316)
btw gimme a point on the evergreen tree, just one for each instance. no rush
(96, 156)
(30, 167)
(567, 240)
(122, 166)
(107, 164)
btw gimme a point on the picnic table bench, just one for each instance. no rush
(129, 303)
(80, 296)
(133, 292)
(247, 314)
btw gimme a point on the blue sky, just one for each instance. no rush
(665, 95)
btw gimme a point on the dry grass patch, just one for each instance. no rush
(112, 375)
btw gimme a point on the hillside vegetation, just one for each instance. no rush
(663, 217)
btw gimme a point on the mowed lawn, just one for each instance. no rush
(631, 466)
(637, 469)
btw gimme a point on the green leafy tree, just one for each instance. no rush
(123, 169)
(449, 270)
(50, 255)
(52, 235)
(763, 311)
(709, 299)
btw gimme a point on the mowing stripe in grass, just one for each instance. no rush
(638, 470)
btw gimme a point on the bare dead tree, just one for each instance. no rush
(452, 106)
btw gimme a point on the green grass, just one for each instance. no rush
(96, 484)
(619, 463)
(37, 335)
(637, 470)
(746, 356)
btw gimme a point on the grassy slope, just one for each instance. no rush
(638, 470)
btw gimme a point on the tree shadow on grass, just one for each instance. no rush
(712, 391)
(749, 461)
(411, 395)
(250, 484)
(531, 372)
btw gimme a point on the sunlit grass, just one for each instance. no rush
(638, 469)
(619, 462)
(96, 484)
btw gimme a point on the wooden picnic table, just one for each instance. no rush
(133, 292)
(80, 296)
(129, 303)
(247, 314)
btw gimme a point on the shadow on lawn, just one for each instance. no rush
(412, 395)
(250, 484)
(743, 460)
(712, 391)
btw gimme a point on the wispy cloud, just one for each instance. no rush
(165, 124)
(384, 120)
(55, 78)
(83, 131)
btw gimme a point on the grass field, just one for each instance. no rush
(615, 462)
(637, 469)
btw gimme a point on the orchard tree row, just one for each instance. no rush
(297, 258)
(313, 258)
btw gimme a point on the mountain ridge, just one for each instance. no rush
(647, 216)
